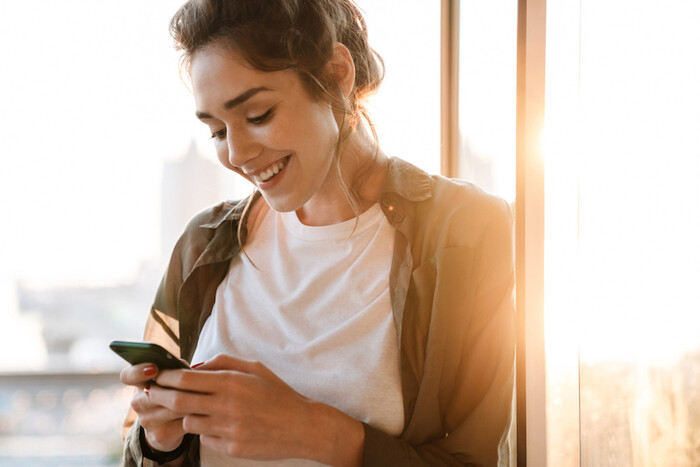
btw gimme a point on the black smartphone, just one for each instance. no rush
(146, 352)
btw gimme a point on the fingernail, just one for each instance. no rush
(147, 389)
(197, 364)
(150, 370)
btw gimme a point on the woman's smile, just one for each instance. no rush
(264, 178)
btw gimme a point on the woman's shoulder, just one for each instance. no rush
(464, 198)
(443, 212)
(466, 213)
(437, 197)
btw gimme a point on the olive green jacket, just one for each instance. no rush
(451, 292)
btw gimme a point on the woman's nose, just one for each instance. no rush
(242, 147)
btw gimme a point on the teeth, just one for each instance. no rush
(272, 170)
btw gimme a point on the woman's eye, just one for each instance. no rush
(221, 134)
(261, 118)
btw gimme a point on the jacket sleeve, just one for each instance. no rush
(468, 372)
(132, 456)
(161, 328)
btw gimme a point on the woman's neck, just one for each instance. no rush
(363, 166)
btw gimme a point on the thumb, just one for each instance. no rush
(228, 362)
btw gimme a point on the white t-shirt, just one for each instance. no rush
(315, 309)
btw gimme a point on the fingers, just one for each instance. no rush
(180, 402)
(230, 447)
(199, 425)
(138, 375)
(186, 380)
(227, 362)
(210, 376)
(163, 426)
(214, 381)
(145, 406)
(155, 415)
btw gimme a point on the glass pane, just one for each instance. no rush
(561, 271)
(487, 86)
(622, 154)
(407, 36)
(640, 224)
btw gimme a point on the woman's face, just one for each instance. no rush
(266, 127)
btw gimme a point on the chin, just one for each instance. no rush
(282, 205)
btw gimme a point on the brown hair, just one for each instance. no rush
(300, 35)
(284, 34)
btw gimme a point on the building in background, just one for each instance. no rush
(190, 184)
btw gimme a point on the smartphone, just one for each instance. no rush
(146, 352)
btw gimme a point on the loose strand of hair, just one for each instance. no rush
(241, 226)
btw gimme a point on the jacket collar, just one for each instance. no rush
(232, 211)
(407, 181)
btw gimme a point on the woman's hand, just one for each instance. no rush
(243, 409)
(163, 426)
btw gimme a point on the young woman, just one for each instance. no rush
(353, 310)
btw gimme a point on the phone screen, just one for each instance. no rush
(146, 352)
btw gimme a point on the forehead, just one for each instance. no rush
(216, 66)
(216, 73)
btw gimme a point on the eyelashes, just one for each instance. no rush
(221, 134)
(260, 119)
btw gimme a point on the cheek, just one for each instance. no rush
(274, 136)
(320, 131)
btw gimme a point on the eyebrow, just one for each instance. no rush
(236, 101)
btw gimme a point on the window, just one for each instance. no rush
(622, 223)
(487, 89)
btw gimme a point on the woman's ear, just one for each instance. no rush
(343, 68)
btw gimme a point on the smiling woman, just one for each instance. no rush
(363, 314)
